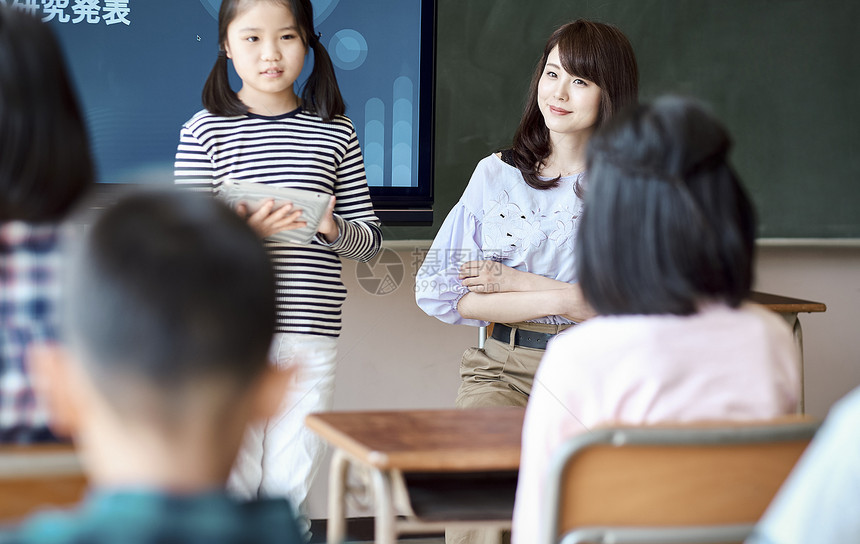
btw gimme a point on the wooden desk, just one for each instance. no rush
(37, 476)
(788, 308)
(786, 305)
(383, 448)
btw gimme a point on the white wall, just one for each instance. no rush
(831, 340)
(392, 355)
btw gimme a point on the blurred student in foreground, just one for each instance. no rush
(819, 500)
(167, 324)
(45, 169)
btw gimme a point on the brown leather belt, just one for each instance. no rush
(522, 338)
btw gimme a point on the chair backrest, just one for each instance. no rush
(38, 476)
(684, 483)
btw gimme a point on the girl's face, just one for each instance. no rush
(267, 52)
(569, 104)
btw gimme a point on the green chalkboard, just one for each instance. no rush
(783, 75)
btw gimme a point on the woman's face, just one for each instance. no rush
(569, 104)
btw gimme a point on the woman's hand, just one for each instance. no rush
(518, 295)
(576, 308)
(523, 305)
(267, 220)
(491, 277)
(328, 226)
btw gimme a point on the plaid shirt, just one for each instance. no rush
(142, 517)
(29, 292)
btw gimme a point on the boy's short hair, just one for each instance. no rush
(168, 291)
(667, 224)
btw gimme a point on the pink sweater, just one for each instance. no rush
(721, 363)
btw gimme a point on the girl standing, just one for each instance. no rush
(267, 133)
(505, 252)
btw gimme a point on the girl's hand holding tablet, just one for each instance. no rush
(284, 214)
(270, 219)
(328, 226)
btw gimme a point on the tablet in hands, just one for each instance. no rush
(254, 195)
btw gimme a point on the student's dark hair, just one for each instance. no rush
(598, 52)
(320, 94)
(170, 290)
(45, 162)
(667, 224)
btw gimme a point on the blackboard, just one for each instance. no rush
(783, 75)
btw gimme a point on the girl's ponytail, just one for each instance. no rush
(321, 95)
(218, 97)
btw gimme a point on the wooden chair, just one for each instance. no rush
(38, 476)
(670, 484)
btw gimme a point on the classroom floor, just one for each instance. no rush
(361, 532)
(405, 540)
(439, 540)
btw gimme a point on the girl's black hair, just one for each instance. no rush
(667, 224)
(595, 51)
(320, 94)
(45, 161)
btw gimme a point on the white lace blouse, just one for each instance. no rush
(500, 218)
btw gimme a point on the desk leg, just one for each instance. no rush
(794, 322)
(383, 496)
(798, 341)
(336, 527)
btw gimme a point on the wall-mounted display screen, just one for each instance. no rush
(140, 65)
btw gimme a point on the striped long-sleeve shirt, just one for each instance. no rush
(302, 151)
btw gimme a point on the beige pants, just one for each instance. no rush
(500, 374)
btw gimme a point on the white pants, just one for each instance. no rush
(281, 457)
